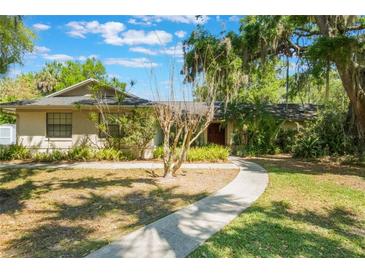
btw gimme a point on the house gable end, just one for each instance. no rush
(82, 89)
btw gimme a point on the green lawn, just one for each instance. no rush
(308, 210)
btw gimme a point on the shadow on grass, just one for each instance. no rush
(52, 238)
(12, 199)
(286, 164)
(271, 232)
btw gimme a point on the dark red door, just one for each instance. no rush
(216, 134)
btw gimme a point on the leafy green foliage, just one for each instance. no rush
(54, 156)
(137, 128)
(326, 136)
(209, 153)
(16, 40)
(111, 154)
(77, 153)
(56, 75)
(20, 88)
(217, 59)
(255, 131)
(14, 152)
(80, 153)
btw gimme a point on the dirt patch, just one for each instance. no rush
(69, 213)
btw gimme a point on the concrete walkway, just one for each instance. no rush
(178, 234)
(117, 165)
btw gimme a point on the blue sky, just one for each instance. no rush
(127, 45)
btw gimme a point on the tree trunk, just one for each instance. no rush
(327, 88)
(181, 159)
(351, 74)
(353, 82)
(167, 157)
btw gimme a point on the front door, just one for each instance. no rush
(216, 134)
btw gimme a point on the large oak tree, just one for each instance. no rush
(316, 44)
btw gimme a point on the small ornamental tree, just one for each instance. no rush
(133, 129)
(182, 122)
(138, 128)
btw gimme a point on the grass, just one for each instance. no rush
(69, 213)
(310, 209)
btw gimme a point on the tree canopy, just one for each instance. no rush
(56, 75)
(15, 41)
(314, 44)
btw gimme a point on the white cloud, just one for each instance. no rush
(151, 20)
(135, 37)
(57, 57)
(112, 33)
(180, 34)
(176, 51)
(234, 18)
(186, 19)
(83, 58)
(44, 53)
(40, 50)
(109, 31)
(131, 62)
(143, 50)
(135, 21)
(40, 26)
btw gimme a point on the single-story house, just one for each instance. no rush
(61, 120)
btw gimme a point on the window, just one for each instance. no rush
(59, 125)
(112, 127)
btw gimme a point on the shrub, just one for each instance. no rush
(308, 147)
(286, 139)
(325, 137)
(110, 154)
(210, 153)
(158, 152)
(54, 156)
(255, 131)
(14, 152)
(80, 153)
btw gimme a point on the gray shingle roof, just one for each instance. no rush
(77, 100)
(295, 112)
(292, 112)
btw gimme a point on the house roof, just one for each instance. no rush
(291, 112)
(294, 112)
(56, 100)
(76, 100)
(77, 85)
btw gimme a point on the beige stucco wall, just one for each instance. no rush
(31, 131)
(84, 91)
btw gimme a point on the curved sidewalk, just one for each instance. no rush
(179, 233)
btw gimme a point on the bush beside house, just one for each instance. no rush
(211, 153)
